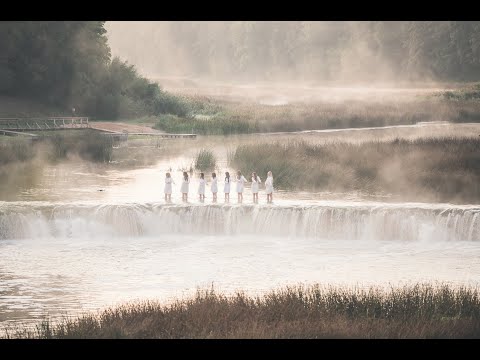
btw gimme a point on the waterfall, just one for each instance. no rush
(342, 221)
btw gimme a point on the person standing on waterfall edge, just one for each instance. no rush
(269, 187)
(240, 184)
(226, 187)
(255, 183)
(214, 187)
(168, 187)
(184, 188)
(201, 188)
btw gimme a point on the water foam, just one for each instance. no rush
(342, 220)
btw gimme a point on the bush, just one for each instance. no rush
(95, 147)
(16, 149)
(205, 160)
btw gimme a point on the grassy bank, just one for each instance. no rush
(220, 117)
(433, 169)
(416, 311)
(215, 125)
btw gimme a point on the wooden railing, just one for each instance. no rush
(46, 123)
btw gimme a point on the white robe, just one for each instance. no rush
(214, 186)
(226, 187)
(240, 183)
(184, 189)
(168, 185)
(269, 185)
(255, 184)
(201, 187)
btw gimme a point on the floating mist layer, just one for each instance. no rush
(349, 221)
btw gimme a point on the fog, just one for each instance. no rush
(322, 52)
(246, 51)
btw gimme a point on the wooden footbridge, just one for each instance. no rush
(22, 126)
(43, 124)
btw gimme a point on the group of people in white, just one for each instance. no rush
(239, 180)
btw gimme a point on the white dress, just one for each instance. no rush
(168, 185)
(269, 185)
(201, 187)
(226, 188)
(240, 183)
(214, 186)
(184, 188)
(255, 184)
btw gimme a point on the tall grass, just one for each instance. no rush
(432, 169)
(91, 145)
(88, 144)
(471, 92)
(205, 160)
(16, 149)
(218, 125)
(324, 114)
(413, 311)
(217, 116)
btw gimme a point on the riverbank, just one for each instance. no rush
(420, 311)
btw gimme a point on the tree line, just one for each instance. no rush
(322, 50)
(68, 64)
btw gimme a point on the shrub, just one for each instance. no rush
(205, 160)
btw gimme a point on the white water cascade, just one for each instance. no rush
(333, 221)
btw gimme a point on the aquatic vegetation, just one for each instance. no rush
(88, 144)
(205, 160)
(410, 311)
(431, 169)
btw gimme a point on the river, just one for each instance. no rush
(82, 237)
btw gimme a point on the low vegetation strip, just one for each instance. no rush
(220, 117)
(89, 144)
(413, 311)
(122, 127)
(218, 125)
(427, 169)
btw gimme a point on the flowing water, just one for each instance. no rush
(84, 237)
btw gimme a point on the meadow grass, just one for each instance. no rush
(218, 125)
(410, 311)
(430, 169)
(243, 117)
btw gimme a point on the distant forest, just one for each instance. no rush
(68, 64)
(323, 50)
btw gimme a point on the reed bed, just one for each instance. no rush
(430, 169)
(410, 311)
